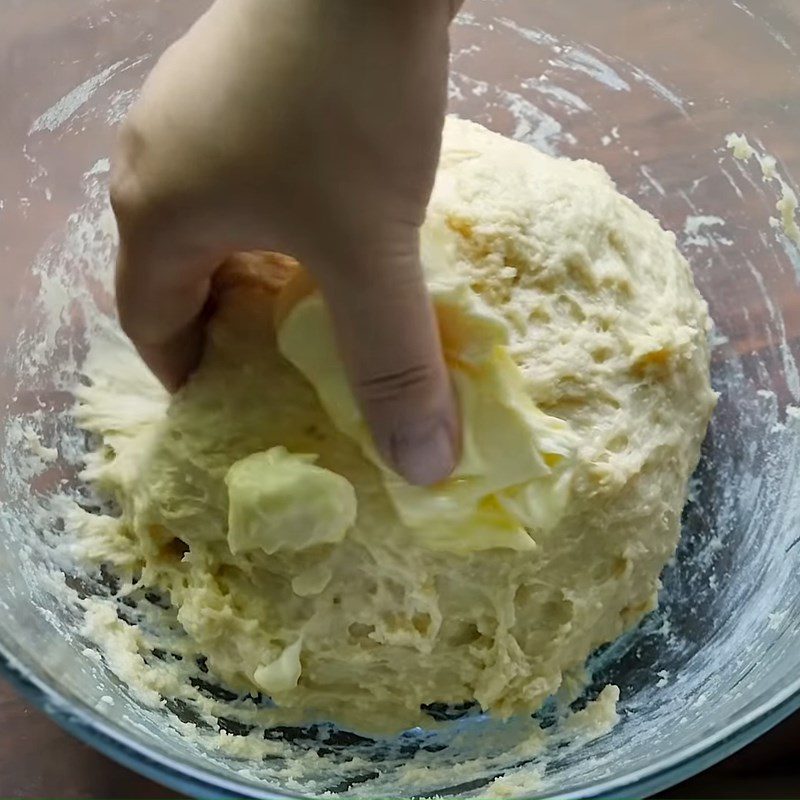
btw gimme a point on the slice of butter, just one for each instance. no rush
(281, 501)
(282, 674)
(514, 475)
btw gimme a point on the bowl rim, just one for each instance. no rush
(84, 722)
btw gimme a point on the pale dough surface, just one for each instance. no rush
(364, 620)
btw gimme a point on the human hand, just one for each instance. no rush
(311, 128)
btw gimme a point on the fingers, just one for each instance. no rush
(162, 301)
(174, 360)
(387, 333)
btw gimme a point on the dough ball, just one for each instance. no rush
(364, 623)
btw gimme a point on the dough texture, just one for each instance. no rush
(303, 569)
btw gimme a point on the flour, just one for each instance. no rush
(787, 203)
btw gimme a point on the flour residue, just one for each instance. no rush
(560, 96)
(787, 203)
(572, 58)
(785, 224)
(64, 109)
(547, 99)
(704, 230)
(531, 123)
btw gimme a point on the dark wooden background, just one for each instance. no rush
(38, 759)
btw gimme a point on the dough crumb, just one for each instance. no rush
(599, 717)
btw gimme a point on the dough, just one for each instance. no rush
(516, 463)
(302, 568)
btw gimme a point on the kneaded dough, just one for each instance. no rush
(303, 569)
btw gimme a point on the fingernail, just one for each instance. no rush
(423, 454)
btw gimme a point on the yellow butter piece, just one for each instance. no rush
(486, 527)
(282, 674)
(514, 474)
(281, 501)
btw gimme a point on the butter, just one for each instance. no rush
(280, 501)
(282, 674)
(514, 475)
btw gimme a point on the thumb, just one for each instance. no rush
(388, 337)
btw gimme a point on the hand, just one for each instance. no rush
(312, 128)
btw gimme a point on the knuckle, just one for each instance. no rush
(128, 324)
(128, 198)
(136, 198)
(141, 328)
(390, 385)
(134, 325)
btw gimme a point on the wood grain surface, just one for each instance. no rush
(38, 759)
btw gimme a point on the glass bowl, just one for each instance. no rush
(650, 90)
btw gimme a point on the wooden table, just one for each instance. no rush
(38, 759)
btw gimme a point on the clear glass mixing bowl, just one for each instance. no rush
(650, 90)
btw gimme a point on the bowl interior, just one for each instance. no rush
(649, 90)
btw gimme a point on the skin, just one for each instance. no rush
(312, 128)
